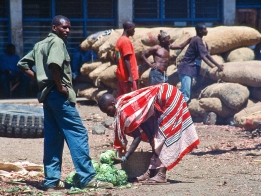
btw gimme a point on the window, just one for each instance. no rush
(248, 3)
(169, 12)
(4, 25)
(86, 16)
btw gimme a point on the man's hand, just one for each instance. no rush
(153, 65)
(220, 67)
(130, 82)
(64, 90)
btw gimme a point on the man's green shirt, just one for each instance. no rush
(51, 50)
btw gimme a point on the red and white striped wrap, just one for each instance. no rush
(175, 135)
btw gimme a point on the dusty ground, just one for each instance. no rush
(226, 162)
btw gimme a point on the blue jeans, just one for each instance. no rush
(62, 122)
(157, 77)
(186, 83)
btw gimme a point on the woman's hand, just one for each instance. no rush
(118, 160)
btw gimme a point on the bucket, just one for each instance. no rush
(137, 164)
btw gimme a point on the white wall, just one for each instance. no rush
(125, 8)
(229, 12)
(16, 25)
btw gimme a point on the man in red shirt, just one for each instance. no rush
(127, 69)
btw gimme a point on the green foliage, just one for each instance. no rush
(73, 179)
(104, 168)
(96, 165)
(109, 173)
(105, 171)
(122, 177)
(107, 157)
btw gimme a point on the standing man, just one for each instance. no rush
(160, 55)
(189, 66)
(127, 69)
(61, 118)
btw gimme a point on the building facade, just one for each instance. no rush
(25, 22)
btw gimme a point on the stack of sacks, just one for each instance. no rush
(227, 45)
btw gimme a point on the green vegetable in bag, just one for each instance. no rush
(107, 157)
(73, 179)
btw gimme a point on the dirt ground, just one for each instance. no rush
(227, 162)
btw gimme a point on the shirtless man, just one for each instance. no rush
(160, 55)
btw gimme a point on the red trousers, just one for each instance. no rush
(124, 87)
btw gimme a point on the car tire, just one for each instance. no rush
(21, 121)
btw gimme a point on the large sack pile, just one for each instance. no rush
(225, 93)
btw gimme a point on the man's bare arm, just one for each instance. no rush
(128, 67)
(210, 61)
(55, 72)
(180, 46)
(29, 73)
(136, 141)
(147, 53)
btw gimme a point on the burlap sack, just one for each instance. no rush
(239, 55)
(181, 55)
(232, 94)
(195, 109)
(208, 72)
(86, 45)
(102, 56)
(255, 93)
(150, 35)
(248, 117)
(101, 40)
(251, 102)
(83, 78)
(91, 39)
(138, 48)
(246, 73)
(173, 54)
(184, 36)
(173, 76)
(142, 68)
(175, 33)
(95, 73)
(94, 94)
(144, 78)
(216, 105)
(81, 86)
(224, 38)
(89, 67)
(110, 56)
(87, 93)
(110, 43)
(108, 77)
(99, 92)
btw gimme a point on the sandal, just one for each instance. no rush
(159, 178)
(144, 176)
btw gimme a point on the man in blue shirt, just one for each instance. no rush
(10, 72)
(79, 57)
